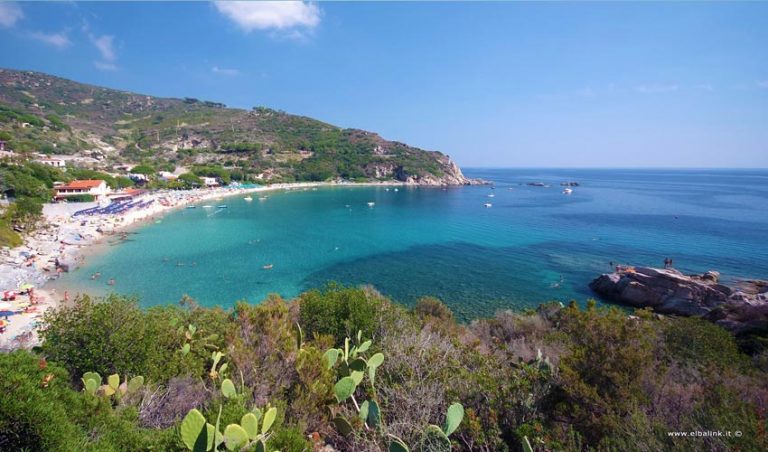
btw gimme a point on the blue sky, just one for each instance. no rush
(491, 84)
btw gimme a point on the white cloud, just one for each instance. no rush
(10, 13)
(224, 71)
(59, 40)
(101, 65)
(656, 88)
(271, 15)
(704, 87)
(105, 45)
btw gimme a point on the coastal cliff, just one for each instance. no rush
(108, 129)
(739, 309)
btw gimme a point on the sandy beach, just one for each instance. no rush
(65, 238)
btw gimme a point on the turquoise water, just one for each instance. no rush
(534, 244)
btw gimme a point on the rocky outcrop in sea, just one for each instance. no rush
(741, 309)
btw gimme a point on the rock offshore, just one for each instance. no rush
(741, 309)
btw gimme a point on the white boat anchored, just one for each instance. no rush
(567, 191)
(248, 198)
(371, 204)
(488, 205)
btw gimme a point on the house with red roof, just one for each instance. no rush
(96, 187)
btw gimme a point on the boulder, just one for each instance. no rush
(668, 291)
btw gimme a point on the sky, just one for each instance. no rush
(491, 84)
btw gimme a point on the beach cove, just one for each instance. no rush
(71, 240)
(533, 244)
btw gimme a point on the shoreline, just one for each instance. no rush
(70, 240)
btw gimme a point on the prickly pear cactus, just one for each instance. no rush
(235, 437)
(192, 429)
(228, 388)
(250, 424)
(453, 418)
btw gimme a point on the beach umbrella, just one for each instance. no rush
(9, 295)
(6, 313)
(3, 323)
(27, 286)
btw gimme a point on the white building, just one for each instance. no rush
(210, 181)
(56, 163)
(96, 187)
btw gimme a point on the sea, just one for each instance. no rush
(480, 249)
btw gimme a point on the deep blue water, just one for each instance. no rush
(535, 244)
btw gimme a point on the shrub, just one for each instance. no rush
(700, 343)
(263, 348)
(600, 377)
(163, 407)
(432, 307)
(339, 311)
(289, 440)
(35, 415)
(113, 335)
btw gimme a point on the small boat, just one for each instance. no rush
(191, 207)
(207, 206)
(491, 195)
(267, 267)
(371, 204)
(248, 198)
(222, 206)
(386, 189)
(567, 191)
(488, 204)
(397, 189)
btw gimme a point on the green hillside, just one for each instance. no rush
(51, 115)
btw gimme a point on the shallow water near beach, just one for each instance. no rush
(534, 244)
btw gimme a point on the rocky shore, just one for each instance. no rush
(742, 308)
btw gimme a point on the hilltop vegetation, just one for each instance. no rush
(558, 378)
(42, 113)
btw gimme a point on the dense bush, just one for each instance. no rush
(561, 378)
(116, 336)
(340, 312)
(432, 307)
(608, 354)
(35, 415)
